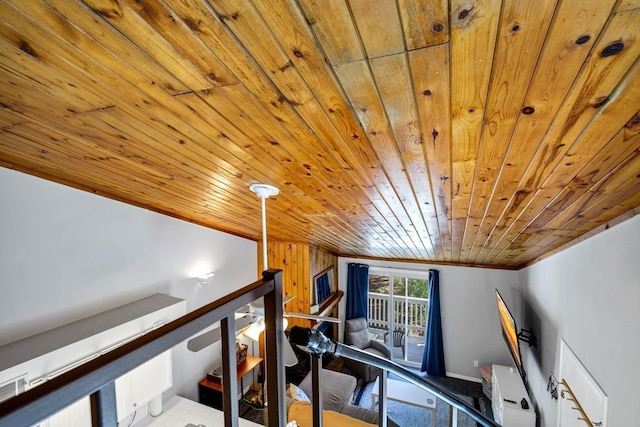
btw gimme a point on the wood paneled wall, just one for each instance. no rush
(299, 263)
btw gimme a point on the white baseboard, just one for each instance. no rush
(464, 377)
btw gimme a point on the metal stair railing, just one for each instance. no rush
(315, 343)
(96, 378)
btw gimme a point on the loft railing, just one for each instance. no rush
(96, 378)
(319, 345)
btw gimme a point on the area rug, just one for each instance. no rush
(409, 415)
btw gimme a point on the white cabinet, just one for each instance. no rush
(507, 392)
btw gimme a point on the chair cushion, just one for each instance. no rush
(357, 332)
(297, 393)
(337, 389)
(302, 413)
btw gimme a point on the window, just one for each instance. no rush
(398, 301)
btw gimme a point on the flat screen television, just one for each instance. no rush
(510, 333)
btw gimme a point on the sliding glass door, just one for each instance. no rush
(398, 307)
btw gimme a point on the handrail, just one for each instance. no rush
(318, 345)
(96, 378)
(399, 297)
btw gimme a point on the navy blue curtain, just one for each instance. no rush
(357, 291)
(433, 356)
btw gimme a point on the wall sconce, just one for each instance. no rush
(205, 278)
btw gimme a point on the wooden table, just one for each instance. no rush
(404, 392)
(210, 392)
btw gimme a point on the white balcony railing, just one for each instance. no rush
(410, 313)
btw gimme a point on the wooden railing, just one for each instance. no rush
(96, 378)
(409, 312)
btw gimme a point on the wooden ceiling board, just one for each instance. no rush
(473, 33)
(597, 184)
(472, 132)
(360, 156)
(622, 211)
(430, 78)
(628, 5)
(346, 139)
(180, 35)
(615, 187)
(425, 22)
(522, 30)
(333, 26)
(17, 71)
(597, 81)
(566, 204)
(378, 23)
(608, 184)
(393, 80)
(128, 164)
(567, 174)
(68, 14)
(81, 179)
(567, 44)
(77, 165)
(324, 128)
(240, 196)
(592, 141)
(136, 30)
(360, 88)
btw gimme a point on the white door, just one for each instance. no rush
(398, 302)
(585, 390)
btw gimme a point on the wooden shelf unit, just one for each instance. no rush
(210, 392)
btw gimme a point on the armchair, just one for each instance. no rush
(357, 335)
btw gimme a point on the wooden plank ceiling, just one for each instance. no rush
(481, 132)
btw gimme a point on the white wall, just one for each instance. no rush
(470, 324)
(589, 295)
(66, 254)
